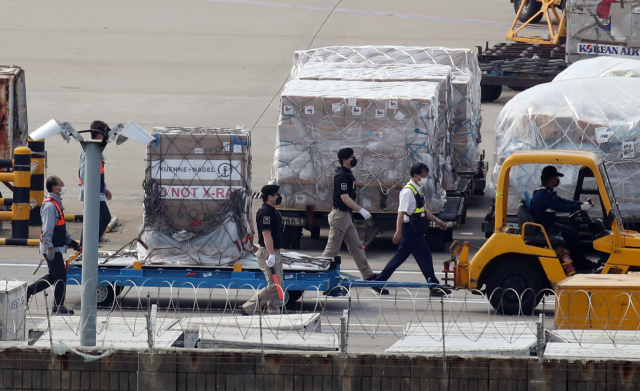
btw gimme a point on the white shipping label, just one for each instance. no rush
(366, 203)
(237, 148)
(335, 106)
(227, 146)
(391, 174)
(393, 104)
(379, 113)
(602, 136)
(200, 169)
(636, 10)
(287, 110)
(309, 110)
(356, 111)
(197, 192)
(352, 102)
(628, 150)
(198, 150)
(399, 116)
(300, 199)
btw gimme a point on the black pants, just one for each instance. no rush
(411, 244)
(573, 244)
(57, 278)
(105, 218)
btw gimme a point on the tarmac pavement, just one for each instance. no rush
(208, 63)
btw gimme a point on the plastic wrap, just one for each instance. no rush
(603, 27)
(601, 67)
(440, 74)
(600, 115)
(197, 203)
(466, 76)
(391, 126)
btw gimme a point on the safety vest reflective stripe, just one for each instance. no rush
(415, 193)
(101, 172)
(61, 219)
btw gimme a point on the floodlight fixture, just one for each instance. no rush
(121, 133)
(54, 127)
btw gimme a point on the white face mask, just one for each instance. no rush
(422, 182)
(63, 190)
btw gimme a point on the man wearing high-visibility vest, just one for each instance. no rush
(411, 226)
(99, 130)
(53, 243)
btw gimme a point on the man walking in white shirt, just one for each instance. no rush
(411, 226)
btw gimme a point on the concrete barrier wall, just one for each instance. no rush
(189, 369)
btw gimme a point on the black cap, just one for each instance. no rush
(270, 189)
(345, 153)
(550, 172)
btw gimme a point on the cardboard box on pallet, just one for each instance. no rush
(465, 79)
(195, 170)
(385, 123)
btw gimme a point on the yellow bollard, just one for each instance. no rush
(21, 189)
(37, 180)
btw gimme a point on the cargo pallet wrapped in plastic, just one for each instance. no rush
(600, 115)
(440, 74)
(197, 203)
(602, 28)
(466, 76)
(390, 126)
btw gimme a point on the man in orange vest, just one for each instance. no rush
(53, 243)
(99, 130)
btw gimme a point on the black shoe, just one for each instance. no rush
(437, 292)
(372, 278)
(243, 311)
(61, 310)
(380, 291)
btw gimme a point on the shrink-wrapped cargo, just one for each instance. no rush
(390, 126)
(197, 204)
(603, 28)
(600, 115)
(466, 75)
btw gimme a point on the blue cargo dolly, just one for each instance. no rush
(329, 281)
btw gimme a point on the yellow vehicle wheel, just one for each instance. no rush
(514, 286)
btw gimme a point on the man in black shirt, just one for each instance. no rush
(340, 222)
(270, 228)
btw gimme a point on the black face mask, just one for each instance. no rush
(354, 162)
(279, 200)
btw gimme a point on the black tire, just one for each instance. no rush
(530, 9)
(515, 275)
(106, 295)
(290, 298)
(489, 93)
(315, 232)
(518, 88)
(296, 235)
(487, 235)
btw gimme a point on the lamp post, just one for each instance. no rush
(91, 219)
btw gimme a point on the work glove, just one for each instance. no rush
(74, 245)
(50, 254)
(365, 214)
(585, 206)
(271, 260)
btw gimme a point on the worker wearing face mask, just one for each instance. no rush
(411, 226)
(54, 241)
(270, 228)
(341, 226)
